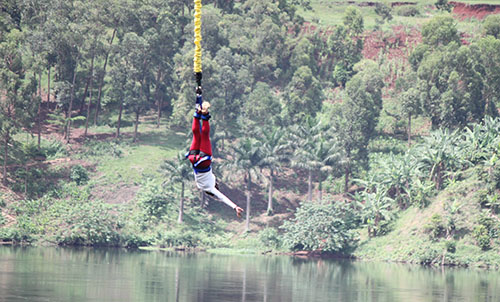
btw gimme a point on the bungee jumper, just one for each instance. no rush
(200, 152)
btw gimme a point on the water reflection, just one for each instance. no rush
(58, 274)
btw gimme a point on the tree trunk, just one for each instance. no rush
(101, 80)
(136, 125)
(181, 205)
(39, 119)
(249, 186)
(320, 189)
(309, 186)
(409, 130)
(90, 96)
(82, 105)
(119, 120)
(48, 86)
(5, 155)
(270, 194)
(157, 98)
(346, 179)
(68, 130)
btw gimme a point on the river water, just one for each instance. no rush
(71, 275)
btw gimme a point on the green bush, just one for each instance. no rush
(451, 246)
(79, 174)
(53, 149)
(435, 227)
(328, 227)
(103, 148)
(179, 238)
(154, 199)
(483, 240)
(91, 223)
(270, 238)
(407, 11)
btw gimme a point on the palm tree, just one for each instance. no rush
(314, 153)
(247, 158)
(178, 171)
(275, 152)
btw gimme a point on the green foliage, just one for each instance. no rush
(491, 26)
(89, 223)
(483, 240)
(384, 11)
(450, 246)
(102, 148)
(443, 5)
(440, 31)
(377, 210)
(79, 174)
(328, 227)
(435, 227)
(270, 238)
(53, 149)
(153, 199)
(179, 238)
(407, 11)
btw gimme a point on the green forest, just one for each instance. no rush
(366, 130)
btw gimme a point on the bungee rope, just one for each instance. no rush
(197, 43)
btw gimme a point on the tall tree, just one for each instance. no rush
(275, 153)
(247, 160)
(16, 92)
(303, 96)
(177, 171)
(354, 121)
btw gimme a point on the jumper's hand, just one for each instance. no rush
(238, 211)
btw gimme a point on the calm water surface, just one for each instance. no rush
(57, 274)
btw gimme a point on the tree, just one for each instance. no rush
(134, 60)
(16, 92)
(314, 152)
(409, 98)
(303, 97)
(345, 45)
(440, 31)
(488, 51)
(355, 119)
(384, 11)
(450, 86)
(443, 5)
(247, 160)
(275, 153)
(491, 26)
(178, 171)
(325, 227)
(261, 109)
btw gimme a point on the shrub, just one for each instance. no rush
(451, 246)
(177, 238)
(483, 240)
(407, 11)
(79, 174)
(321, 226)
(154, 199)
(492, 26)
(270, 238)
(90, 223)
(435, 227)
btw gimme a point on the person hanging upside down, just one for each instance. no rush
(200, 154)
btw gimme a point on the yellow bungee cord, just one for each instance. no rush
(197, 36)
